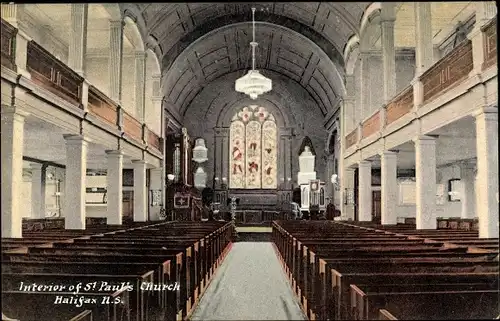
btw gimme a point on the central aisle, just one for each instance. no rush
(249, 285)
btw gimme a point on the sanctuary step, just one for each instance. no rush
(254, 234)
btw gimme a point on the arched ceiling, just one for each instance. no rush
(179, 29)
(227, 50)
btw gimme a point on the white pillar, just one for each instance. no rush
(424, 53)
(140, 192)
(389, 188)
(388, 59)
(75, 187)
(365, 191)
(155, 184)
(487, 171)
(114, 190)
(347, 186)
(38, 175)
(425, 172)
(12, 129)
(467, 194)
(116, 59)
(140, 85)
(78, 37)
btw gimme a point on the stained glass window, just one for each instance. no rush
(253, 143)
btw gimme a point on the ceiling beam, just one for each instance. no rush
(309, 70)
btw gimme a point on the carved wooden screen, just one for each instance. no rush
(253, 149)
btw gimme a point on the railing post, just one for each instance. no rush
(383, 117)
(360, 133)
(477, 39)
(119, 118)
(144, 134)
(85, 95)
(21, 53)
(418, 93)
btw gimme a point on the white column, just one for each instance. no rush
(38, 174)
(365, 191)
(365, 79)
(388, 59)
(347, 184)
(487, 171)
(389, 188)
(116, 59)
(12, 129)
(424, 53)
(140, 85)
(467, 194)
(140, 192)
(114, 189)
(78, 37)
(425, 172)
(76, 173)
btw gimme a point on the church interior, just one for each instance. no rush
(249, 161)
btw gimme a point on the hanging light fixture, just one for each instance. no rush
(253, 83)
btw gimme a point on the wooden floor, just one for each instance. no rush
(249, 285)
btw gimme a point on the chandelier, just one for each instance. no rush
(253, 83)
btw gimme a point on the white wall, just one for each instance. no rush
(447, 209)
(405, 71)
(51, 205)
(97, 73)
(44, 36)
(128, 81)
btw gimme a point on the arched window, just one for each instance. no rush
(253, 144)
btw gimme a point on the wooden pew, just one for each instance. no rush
(214, 243)
(440, 304)
(310, 267)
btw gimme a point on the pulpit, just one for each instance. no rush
(306, 166)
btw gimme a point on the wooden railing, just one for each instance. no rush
(490, 43)
(352, 138)
(153, 140)
(52, 74)
(400, 105)
(8, 40)
(103, 107)
(371, 125)
(131, 126)
(448, 71)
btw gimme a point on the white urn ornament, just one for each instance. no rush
(200, 151)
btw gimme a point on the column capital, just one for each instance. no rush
(388, 153)
(14, 111)
(71, 138)
(119, 23)
(489, 112)
(36, 165)
(364, 163)
(141, 54)
(112, 152)
(424, 139)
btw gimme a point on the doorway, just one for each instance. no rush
(128, 204)
(376, 207)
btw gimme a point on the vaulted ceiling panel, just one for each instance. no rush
(215, 55)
